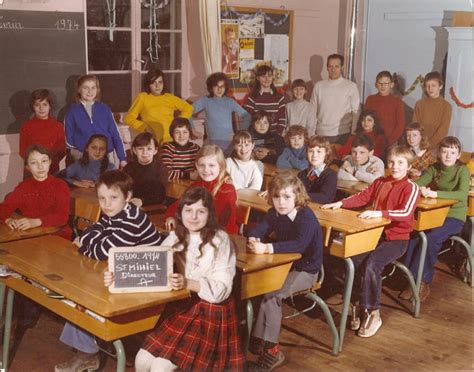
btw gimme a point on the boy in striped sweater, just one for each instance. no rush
(179, 155)
(122, 224)
(394, 197)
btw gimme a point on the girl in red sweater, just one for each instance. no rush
(369, 125)
(42, 199)
(394, 197)
(43, 129)
(211, 168)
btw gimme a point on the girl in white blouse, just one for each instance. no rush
(198, 333)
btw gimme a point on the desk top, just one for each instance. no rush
(83, 193)
(426, 204)
(351, 187)
(8, 235)
(271, 170)
(343, 220)
(55, 263)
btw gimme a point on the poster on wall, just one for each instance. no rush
(230, 48)
(252, 37)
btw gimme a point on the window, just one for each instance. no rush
(125, 38)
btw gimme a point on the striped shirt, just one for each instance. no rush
(179, 159)
(130, 227)
(274, 104)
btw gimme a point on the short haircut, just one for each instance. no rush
(336, 56)
(242, 136)
(144, 139)
(402, 151)
(383, 74)
(450, 141)
(214, 79)
(118, 179)
(434, 75)
(181, 123)
(150, 78)
(320, 141)
(363, 141)
(424, 143)
(261, 71)
(282, 181)
(81, 80)
(296, 130)
(41, 95)
(36, 148)
(259, 115)
(298, 83)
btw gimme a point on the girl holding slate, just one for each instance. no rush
(199, 333)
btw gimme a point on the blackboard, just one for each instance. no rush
(251, 37)
(38, 50)
(140, 269)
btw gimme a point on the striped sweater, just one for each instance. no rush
(179, 159)
(397, 199)
(274, 104)
(130, 227)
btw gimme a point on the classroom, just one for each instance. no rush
(240, 163)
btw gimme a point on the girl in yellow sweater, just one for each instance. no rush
(155, 108)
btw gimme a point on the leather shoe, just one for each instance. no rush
(424, 291)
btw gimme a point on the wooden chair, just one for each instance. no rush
(242, 215)
(311, 295)
(86, 212)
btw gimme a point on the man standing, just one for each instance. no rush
(337, 103)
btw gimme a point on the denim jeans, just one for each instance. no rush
(369, 271)
(436, 237)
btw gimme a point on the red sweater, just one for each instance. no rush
(224, 205)
(48, 133)
(391, 113)
(378, 139)
(396, 199)
(47, 200)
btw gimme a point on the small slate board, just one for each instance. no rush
(140, 269)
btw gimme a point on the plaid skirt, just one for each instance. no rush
(196, 335)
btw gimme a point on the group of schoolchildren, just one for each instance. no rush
(201, 332)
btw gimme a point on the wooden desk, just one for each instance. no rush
(54, 263)
(271, 170)
(470, 203)
(177, 188)
(345, 235)
(351, 187)
(9, 235)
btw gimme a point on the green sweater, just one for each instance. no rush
(451, 183)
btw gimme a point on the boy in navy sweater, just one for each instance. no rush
(289, 226)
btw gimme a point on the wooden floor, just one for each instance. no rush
(442, 339)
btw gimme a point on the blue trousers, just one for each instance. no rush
(436, 237)
(77, 338)
(369, 271)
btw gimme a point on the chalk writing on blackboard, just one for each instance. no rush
(140, 269)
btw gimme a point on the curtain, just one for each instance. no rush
(209, 19)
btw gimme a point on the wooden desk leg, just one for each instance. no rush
(249, 311)
(347, 299)
(7, 329)
(120, 355)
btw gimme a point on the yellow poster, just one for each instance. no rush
(247, 48)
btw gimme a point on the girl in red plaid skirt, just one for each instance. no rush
(199, 333)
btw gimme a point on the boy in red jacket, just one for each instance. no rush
(394, 197)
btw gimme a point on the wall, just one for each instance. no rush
(318, 30)
(11, 165)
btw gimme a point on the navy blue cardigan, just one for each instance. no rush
(303, 235)
(323, 189)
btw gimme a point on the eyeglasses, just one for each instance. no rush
(220, 86)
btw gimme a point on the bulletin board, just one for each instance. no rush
(251, 37)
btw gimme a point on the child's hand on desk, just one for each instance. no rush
(88, 184)
(428, 193)
(414, 172)
(77, 242)
(257, 247)
(348, 167)
(11, 223)
(27, 223)
(109, 278)
(335, 205)
(170, 223)
(370, 214)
